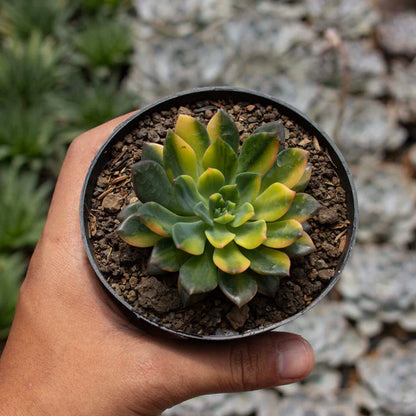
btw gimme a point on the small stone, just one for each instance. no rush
(132, 296)
(250, 108)
(325, 274)
(327, 216)
(238, 317)
(186, 111)
(113, 203)
(102, 182)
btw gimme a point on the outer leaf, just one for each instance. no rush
(199, 274)
(188, 299)
(230, 193)
(151, 183)
(267, 285)
(194, 133)
(273, 127)
(186, 193)
(202, 212)
(230, 260)
(248, 185)
(135, 233)
(251, 234)
(242, 214)
(282, 233)
(179, 158)
(129, 210)
(153, 151)
(210, 182)
(303, 207)
(166, 256)
(268, 261)
(190, 237)
(304, 180)
(301, 247)
(219, 236)
(222, 125)
(258, 153)
(221, 156)
(273, 203)
(288, 168)
(159, 219)
(239, 288)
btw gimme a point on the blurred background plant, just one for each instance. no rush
(62, 65)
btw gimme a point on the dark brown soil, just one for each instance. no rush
(157, 298)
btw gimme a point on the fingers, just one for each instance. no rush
(63, 216)
(258, 362)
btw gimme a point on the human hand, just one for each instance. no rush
(70, 352)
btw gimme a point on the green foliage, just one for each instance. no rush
(26, 132)
(220, 215)
(104, 42)
(102, 6)
(23, 206)
(20, 18)
(12, 268)
(29, 71)
(91, 104)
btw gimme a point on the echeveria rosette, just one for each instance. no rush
(217, 214)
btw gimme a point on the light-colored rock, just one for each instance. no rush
(389, 375)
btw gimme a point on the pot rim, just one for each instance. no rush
(199, 94)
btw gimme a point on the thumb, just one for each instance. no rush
(258, 362)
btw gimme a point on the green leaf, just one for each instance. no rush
(288, 168)
(301, 247)
(199, 274)
(219, 236)
(210, 182)
(224, 219)
(135, 233)
(222, 125)
(304, 180)
(242, 214)
(230, 193)
(273, 203)
(268, 261)
(179, 158)
(186, 193)
(251, 234)
(221, 156)
(239, 288)
(159, 219)
(153, 151)
(230, 259)
(166, 256)
(248, 185)
(267, 285)
(151, 183)
(195, 134)
(188, 299)
(215, 201)
(190, 237)
(129, 210)
(273, 127)
(258, 153)
(202, 212)
(283, 233)
(303, 207)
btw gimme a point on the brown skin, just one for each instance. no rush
(71, 353)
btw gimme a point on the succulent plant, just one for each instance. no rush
(217, 214)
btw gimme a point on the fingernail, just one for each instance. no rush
(294, 361)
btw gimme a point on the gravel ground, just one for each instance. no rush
(351, 66)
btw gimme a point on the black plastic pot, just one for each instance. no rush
(235, 95)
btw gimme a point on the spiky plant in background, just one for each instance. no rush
(218, 215)
(12, 267)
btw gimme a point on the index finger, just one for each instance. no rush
(63, 216)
